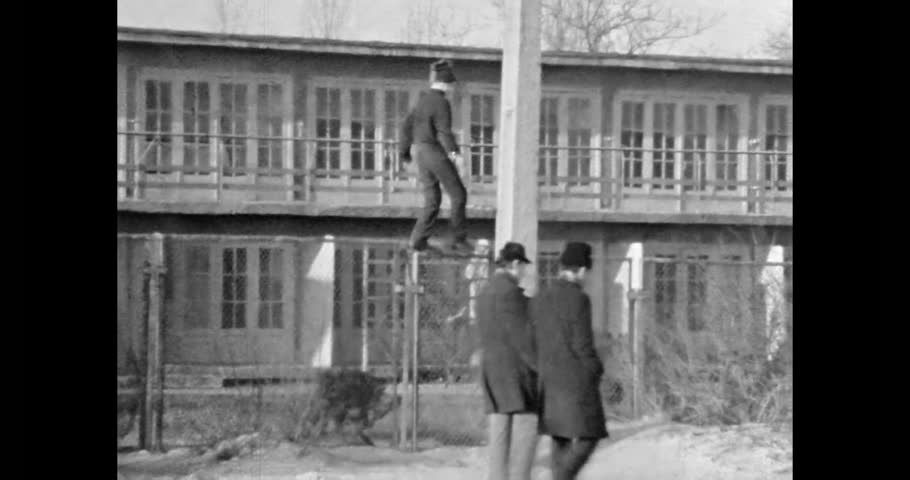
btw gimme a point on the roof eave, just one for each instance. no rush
(384, 49)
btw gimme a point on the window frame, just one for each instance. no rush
(681, 253)
(764, 102)
(216, 293)
(563, 97)
(346, 85)
(680, 99)
(463, 130)
(214, 78)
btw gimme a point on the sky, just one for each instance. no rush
(739, 33)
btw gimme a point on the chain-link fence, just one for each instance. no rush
(245, 330)
(298, 338)
(450, 401)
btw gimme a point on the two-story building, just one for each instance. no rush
(227, 137)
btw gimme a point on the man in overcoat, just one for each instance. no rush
(427, 137)
(508, 368)
(569, 369)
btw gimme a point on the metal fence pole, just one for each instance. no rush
(153, 395)
(415, 331)
(364, 309)
(396, 342)
(406, 398)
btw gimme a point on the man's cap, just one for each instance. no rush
(512, 251)
(442, 71)
(576, 254)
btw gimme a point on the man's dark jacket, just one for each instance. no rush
(568, 366)
(430, 122)
(507, 341)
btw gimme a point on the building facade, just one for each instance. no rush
(229, 140)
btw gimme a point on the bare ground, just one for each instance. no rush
(662, 452)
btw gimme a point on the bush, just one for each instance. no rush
(713, 382)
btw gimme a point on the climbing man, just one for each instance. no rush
(427, 137)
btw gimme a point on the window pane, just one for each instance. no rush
(151, 95)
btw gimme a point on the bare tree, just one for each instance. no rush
(230, 14)
(326, 18)
(779, 41)
(430, 24)
(615, 26)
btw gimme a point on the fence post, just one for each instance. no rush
(636, 267)
(364, 309)
(772, 278)
(415, 331)
(396, 342)
(153, 395)
(406, 397)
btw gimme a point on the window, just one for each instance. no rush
(482, 128)
(696, 284)
(198, 293)
(664, 140)
(271, 288)
(579, 133)
(235, 120)
(548, 157)
(232, 287)
(158, 125)
(380, 269)
(397, 104)
(363, 131)
(233, 124)
(695, 144)
(777, 139)
(270, 120)
(663, 169)
(328, 130)
(547, 267)
(726, 163)
(665, 289)
(196, 124)
(233, 290)
(632, 140)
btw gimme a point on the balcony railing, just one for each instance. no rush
(155, 166)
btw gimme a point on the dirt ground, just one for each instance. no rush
(657, 452)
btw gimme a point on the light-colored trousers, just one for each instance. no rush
(512, 446)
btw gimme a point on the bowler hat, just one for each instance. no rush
(576, 254)
(442, 71)
(512, 251)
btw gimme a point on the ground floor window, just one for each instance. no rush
(232, 287)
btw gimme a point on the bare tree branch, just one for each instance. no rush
(779, 42)
(608, 26)
(326, 18)
(428, 23)
(230, 14)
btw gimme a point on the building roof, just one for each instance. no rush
(389, 49)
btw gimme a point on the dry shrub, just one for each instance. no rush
(717, 376)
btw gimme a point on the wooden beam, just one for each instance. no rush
(516, 193)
